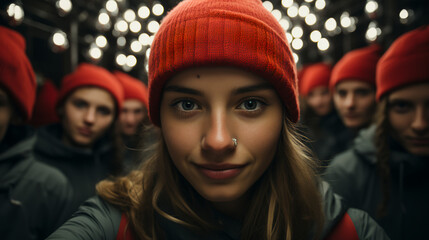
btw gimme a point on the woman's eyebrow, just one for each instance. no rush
(179, 89)
(258, 87)
(240, 90)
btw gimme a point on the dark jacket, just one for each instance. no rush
(97, 219)
(328, 136)
(353, 174)
(83, 167)
(33, 196)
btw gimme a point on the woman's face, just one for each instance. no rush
(132, 114)
(202, 110)
(320, 100)
(355, 103)
(408, 112)
(87, 114)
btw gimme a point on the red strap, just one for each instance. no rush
(124, 233)
(345, 229)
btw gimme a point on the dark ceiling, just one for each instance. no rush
(42, 18)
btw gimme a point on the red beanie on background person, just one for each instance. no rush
(358, 65)
(315, 75)
(91, 75)
(237, 34)
(405, 62)
(133, 88)
(44, 109)
(15, 67)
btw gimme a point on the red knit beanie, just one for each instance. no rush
(405, 62)
(237, 33)
(133, 88)
(315, 75)
(91, 75)
(44, 109)
(16, 73)
(358, 65)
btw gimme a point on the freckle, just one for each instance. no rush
(198, 75)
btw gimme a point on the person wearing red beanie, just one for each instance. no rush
(314, 87)
(386, 172)
(84, 145)
(29, 189)
(228, 163)
(44, 112)
(353, 86)
(135, 104)
(322, 125)
(134, 123)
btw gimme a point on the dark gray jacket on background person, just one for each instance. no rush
(354, 175)
(99, 220)
(83, 167)
(33, 195)
(327, 136)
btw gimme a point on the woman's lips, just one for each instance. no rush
(419, 141)
(85, 131)
(220, 171)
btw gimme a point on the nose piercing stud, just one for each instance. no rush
(234, 140)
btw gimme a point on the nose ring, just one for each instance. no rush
(234, 140)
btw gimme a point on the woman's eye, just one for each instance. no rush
(251, 105)
(79, 104)
(104, 111)
(186, 105)
(401, 107)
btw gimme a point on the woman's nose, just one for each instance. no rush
(217, 137)
(89, 116)
(420, 121)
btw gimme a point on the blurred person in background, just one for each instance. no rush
(44, 109)
(85, 145)
(353, 86)
(134, 122)
(327, 134)
(386, 172)
(33, 196)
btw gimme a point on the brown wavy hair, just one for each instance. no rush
(383, 154)
(285, 202)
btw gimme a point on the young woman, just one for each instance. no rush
(229, 164)
(33, 195)
(327, 134)
(83, 144)
(353, 86)
(385, 173)
(134, 123)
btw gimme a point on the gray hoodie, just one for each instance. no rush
(33, 196)
(353, 175)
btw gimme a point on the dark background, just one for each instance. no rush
(42, 18)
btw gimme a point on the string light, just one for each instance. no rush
(64, 7)
(277, 14)
(121, 59)
(129, 15)
(135, 26)
(323, 44)
(101, 41)
(157, 9)
(15, 14)
(153, 26)
(315, 36)
(58, 41)
(143, 12)
(131, 61)
(268, 5)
